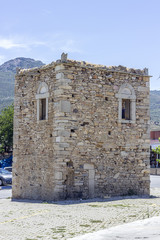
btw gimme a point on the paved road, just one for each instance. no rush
(155, 181)
(6, 191)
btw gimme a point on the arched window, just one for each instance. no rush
(42, 102)
(127, 104)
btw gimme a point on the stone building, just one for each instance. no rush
(80, 131)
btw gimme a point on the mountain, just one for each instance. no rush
(7, 76)
(20, 62)
(155, 109)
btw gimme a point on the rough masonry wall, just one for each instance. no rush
(33, 141)
(107, 157)
(82, 150)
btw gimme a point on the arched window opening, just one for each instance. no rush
(42, 110)
(126, 109)
(127, 104)
(42, 102)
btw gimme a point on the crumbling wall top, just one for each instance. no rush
(83, 64)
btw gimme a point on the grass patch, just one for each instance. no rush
(118, 205)
(95, 221)
(84, 225)
(31, 239)
(93, 205)
(72, 234)
(60, 229)
(109, 205)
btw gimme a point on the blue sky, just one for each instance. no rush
(109, 32)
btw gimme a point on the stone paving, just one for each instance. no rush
(21, 220)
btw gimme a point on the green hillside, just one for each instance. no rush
(155, 106)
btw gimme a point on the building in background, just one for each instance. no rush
(154, 142)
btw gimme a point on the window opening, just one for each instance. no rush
(126, 105)
(42, 109)
(42, 102)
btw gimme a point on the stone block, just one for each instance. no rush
(59, 139)
(88, 166)
(65, 87)
(58, 92)
(63, 82)
(64, 145)
(65, 106)
(60, 76)
(59, 67)
(143, 89)
(91, 174)
(80, 144)
(124, 154)
(116, 175)
(158, 171)
(58, 175)
(64, 133)
(70, 76)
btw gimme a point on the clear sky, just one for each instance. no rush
(109, 32)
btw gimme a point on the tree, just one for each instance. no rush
(6, 129)
(157, 150)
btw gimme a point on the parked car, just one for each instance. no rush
(5, 177)
(7, 162)
(8, 169)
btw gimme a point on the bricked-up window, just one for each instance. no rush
(126, 104)
(126, 109)
(42, 102)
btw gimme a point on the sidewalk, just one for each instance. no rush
(142, 229)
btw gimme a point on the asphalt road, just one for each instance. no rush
(155, 181)
(6, 191)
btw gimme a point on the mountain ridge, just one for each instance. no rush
(20, 62)
(7, 77)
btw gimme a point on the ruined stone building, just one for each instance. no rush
(80, 131)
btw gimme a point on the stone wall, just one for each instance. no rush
(83, 149)
(155, 171)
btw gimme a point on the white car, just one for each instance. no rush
(5, 177)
